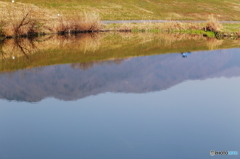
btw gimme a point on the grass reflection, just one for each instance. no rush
(87, 49)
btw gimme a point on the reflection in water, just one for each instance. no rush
(84, 48)
(87, 65)
(134, 75)
(185, 54)
(25, 47)
(214, 43)
(12, 48)
(186, 121)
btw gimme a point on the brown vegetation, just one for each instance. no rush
(213, 43)
(17, 47)
(213, 24)
(25, 20)
(163, 27)
(87, 65)
(90, 43)
(18, 19)
(78, 22)
(19, 53)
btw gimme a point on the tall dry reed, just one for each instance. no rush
(213, 24)
(78, 22)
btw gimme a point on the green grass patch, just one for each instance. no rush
(234, 27)
(145, 9)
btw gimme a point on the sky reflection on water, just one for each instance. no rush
(185, 121)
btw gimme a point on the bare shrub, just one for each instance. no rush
(1, 29)
(90, 21)
(19, 19)
(213, 24)
(238, 33)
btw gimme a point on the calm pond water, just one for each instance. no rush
(119, 96)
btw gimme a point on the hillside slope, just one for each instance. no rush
(147, 9)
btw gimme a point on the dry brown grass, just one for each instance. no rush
(238, 33)
(19, 19)
(213, 24)
(166, 26)
(126, 27)
(77, 22)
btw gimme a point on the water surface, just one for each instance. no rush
(130, 105)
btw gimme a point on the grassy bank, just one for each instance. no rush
(26, 20)
(145, 9)
(211, 28)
